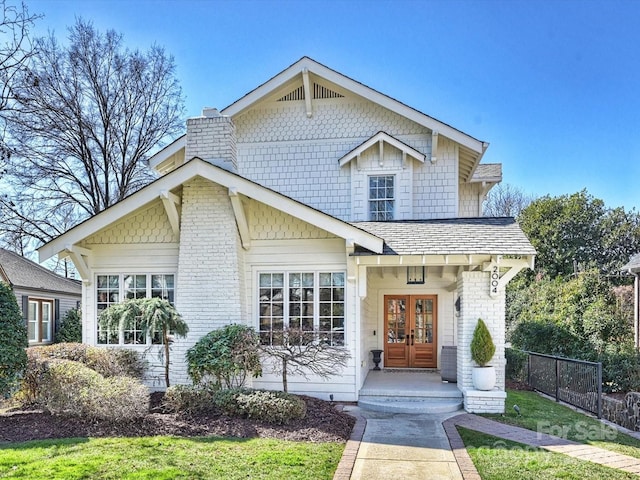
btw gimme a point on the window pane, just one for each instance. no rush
(33, 321)
(45, 331)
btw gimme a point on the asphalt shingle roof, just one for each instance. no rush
(22, 272)
(458, 236)
(488, 170)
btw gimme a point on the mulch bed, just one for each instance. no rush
(323, 423)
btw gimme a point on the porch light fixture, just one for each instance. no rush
(415, 275)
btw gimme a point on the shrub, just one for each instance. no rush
(268, 406)
(620, 370)
(225, 356)
(188, 398)
(115, 362)
(13, 341)
(70, 328)
(271, 407)
(75, 390)
(482, 346)
(516, 368)
(106, 362)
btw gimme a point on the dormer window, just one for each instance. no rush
(381, 197)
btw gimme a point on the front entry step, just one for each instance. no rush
(413, 405)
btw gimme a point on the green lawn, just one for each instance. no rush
(542, 415)
(169, 458)
(498, 459)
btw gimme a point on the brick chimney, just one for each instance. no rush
(212, 137)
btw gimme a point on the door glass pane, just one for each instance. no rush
(396, 320)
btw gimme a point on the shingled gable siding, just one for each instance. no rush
(210, 284)
(473, 288)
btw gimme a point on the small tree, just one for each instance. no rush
(301, 353)
(150, 315)
(482, 346)
(229, 354)
(70, 328)
(13, 341)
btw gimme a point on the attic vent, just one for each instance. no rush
(297, 94)
(323, 92)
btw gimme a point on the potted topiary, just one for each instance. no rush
(482, 350)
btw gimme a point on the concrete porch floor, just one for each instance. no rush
(409, 391)
(408, 383)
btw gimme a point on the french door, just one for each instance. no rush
(410, 323)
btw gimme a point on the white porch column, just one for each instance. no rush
(475, 303)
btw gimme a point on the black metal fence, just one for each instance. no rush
(575, 382)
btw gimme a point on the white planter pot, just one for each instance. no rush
(484, 378)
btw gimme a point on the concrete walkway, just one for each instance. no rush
(403, 446)
(410, 446)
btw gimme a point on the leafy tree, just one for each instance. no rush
(13, 341)
(150, 315)
(84, 120)
(228, 354)
(301, 353)
(506, 200)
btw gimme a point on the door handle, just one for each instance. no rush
(412, 336)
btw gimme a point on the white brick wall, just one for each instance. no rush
(475, 302)
(211, 283)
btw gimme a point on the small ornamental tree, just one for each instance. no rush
(228, 354)
(150, 315)
(482, 346)
(70, 328)
(13, 341)
(302, 353)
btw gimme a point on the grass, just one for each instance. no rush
(546, 416)
(161, 458)
(498, 459)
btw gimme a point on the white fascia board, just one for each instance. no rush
(198, 167)
(385, 137)
(359, 89)
(171, 149)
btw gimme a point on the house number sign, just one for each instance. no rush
(495, 280)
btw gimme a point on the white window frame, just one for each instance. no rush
(121, 296)
(385, 199)
(38, 320)
(287, 272)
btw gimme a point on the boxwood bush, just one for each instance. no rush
(73, 389)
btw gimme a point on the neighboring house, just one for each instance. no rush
(43, 296)
(317, 202)
(633, 267)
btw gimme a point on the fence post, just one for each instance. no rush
(557, 380)
(599, 389)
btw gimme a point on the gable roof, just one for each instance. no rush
(23, 273)
(376, 139)
(470, 152)
(197, 167)
(457, 236)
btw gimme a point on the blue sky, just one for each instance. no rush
(553, 86)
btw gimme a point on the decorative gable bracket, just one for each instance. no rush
(380, 139)
(241, 217)
(170, 202)
(78, 256)
(503, 270)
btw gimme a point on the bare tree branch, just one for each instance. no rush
(83, 123)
